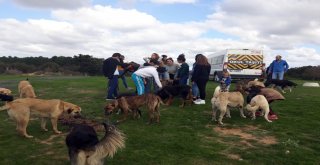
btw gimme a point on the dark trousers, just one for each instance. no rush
(202, 83)
(183, 80)
(113, 87)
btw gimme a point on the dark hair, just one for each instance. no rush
(169, 59)
(181, 58)
(116, 55)
(154, 61)
(201, 59)
(163, 56)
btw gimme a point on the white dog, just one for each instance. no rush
(259, 102)
(224, 100)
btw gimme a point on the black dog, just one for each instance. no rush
(6, 97)
(281, 84)
(171, 91)
(81, 137)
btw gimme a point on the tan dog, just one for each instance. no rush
(26, 90)
(21, 109)
(259, 102)
(5, 91)
(132, 103)
(255, 82)
(224, 100)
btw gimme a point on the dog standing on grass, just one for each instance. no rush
(132, 103)
(85, 148)
(223, 100)
(26, 90)
(259, 102)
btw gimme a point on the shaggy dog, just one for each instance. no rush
(224, 100)
(167, 93)
(26, 90)
(4, 97)
(132, 103)
(21, 109)
(85, 148)
(281, 84)
(259, 102)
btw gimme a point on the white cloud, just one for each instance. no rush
(173, 1)
(53, 4)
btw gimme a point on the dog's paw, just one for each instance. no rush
(58, 132)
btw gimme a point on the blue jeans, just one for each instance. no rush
(183, 80)
(195, 90)
(149, 83)
(113, 87)
(277, 75)
(123, 78)
(138, 81)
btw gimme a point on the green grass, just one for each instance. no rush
(183, 136)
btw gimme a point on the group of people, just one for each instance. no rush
(155, 69)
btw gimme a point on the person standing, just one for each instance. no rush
(200, 76)
(183, 71)
(278, 67)
(144, 73)
(172, 68)
(110, 71)
(122, 73)
(194, 87)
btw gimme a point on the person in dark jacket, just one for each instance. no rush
(183, 71)
(110, 71)
(200, 76)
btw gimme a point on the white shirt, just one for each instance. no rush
(149, 71)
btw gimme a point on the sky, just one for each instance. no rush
(138, 28)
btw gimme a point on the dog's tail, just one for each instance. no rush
(252, 107)
(217, 91)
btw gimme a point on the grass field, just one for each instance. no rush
(183, 136)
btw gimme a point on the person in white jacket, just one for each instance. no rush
(142, 73)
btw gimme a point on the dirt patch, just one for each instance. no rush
(50, 141)
(246, 137)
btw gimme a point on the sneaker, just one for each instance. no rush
(129, 89)
(110, 99)
(272, 117)
(200, 102)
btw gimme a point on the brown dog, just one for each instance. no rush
(20, 110)
(26, 90)
(132, 103)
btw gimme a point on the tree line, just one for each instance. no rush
(88, 65)
(76, 65)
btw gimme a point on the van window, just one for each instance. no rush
(217, 60)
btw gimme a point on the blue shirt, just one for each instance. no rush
(278, 66)
(226, 80)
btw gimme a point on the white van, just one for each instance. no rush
(240, 63)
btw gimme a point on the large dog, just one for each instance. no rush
(21, 109)
(26, 90)
(259, 102)
(281, 84)
(132, 103)
(85, 148)
(5, 91)
(224, 100)
(167, 93)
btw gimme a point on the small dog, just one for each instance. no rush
(132, 103)
(169, 92)
(224, 100)
(281, 84)
(259, 102)
(85, 148)
(26, 90)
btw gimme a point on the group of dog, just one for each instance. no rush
(130, 102)
(258, 98)
(82, 141)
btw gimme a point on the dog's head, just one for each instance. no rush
(5, 91)
(70, 109)
(110, 107)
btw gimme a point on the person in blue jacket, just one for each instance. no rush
(278, 67)
(226, 80)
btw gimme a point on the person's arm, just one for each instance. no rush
(195, 73)
(156, 78)
(286, 66)
(270, 68)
